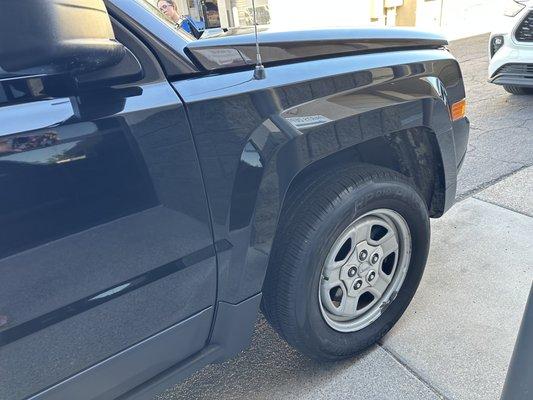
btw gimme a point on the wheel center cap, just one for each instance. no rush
(363, 268)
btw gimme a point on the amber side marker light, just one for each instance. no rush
(458, 110)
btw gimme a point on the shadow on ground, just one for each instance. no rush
(269, 361)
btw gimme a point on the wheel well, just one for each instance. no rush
(413, 153)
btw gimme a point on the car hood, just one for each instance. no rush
(237, 49)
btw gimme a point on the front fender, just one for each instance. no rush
(254, 137)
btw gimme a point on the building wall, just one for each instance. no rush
(295, 14)
(462, 18)
(428, 13)
(455, 18)
(406, 14)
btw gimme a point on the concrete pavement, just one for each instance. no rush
(272, 370)
(459, 331)
(457, 337)
(505, 193)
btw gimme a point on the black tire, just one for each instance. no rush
(518, 90)
(316, 215)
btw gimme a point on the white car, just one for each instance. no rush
(511, 49)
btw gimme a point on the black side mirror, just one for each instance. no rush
(56, 36)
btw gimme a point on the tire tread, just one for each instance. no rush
(305, 210)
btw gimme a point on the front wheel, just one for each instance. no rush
(349, 255)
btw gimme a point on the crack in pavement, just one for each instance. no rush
(414, 373)
(502, 206)
(483, 186)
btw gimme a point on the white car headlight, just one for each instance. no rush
(513, 7)
(496, 43)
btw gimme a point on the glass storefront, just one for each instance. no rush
(243, 12)
(205, 10)
(228, 13)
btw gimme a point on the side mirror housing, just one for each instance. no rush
(40, 37)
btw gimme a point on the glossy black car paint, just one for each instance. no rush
(230, 51)
(109, 239)
(251, 152)
(105, 235)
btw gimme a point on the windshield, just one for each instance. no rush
(207, 18)
(168, 12)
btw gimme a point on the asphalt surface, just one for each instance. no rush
(456, 339)
(501, 140)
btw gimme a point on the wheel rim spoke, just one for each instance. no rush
(362, 231)
(384, 276)
(389, 244)
(379, 287)
(364, 309)
(348, 306)
(332, 271)
(333, 266)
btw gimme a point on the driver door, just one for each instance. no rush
(107, 265)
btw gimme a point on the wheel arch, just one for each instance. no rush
(406, 137)
(414, 153)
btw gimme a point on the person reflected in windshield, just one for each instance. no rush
(170, 10)
(168, 7)
(212, 14)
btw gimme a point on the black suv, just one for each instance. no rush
(155, 194)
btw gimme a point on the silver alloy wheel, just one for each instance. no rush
(364, 270)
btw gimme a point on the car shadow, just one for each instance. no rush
(269, 368)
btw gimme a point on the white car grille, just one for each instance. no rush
(524, 32)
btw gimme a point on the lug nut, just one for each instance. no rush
(357, 284)
(375, 258)
(352, 271)
(371, 275)
(363, 255)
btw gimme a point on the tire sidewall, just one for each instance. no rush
(345, 209)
